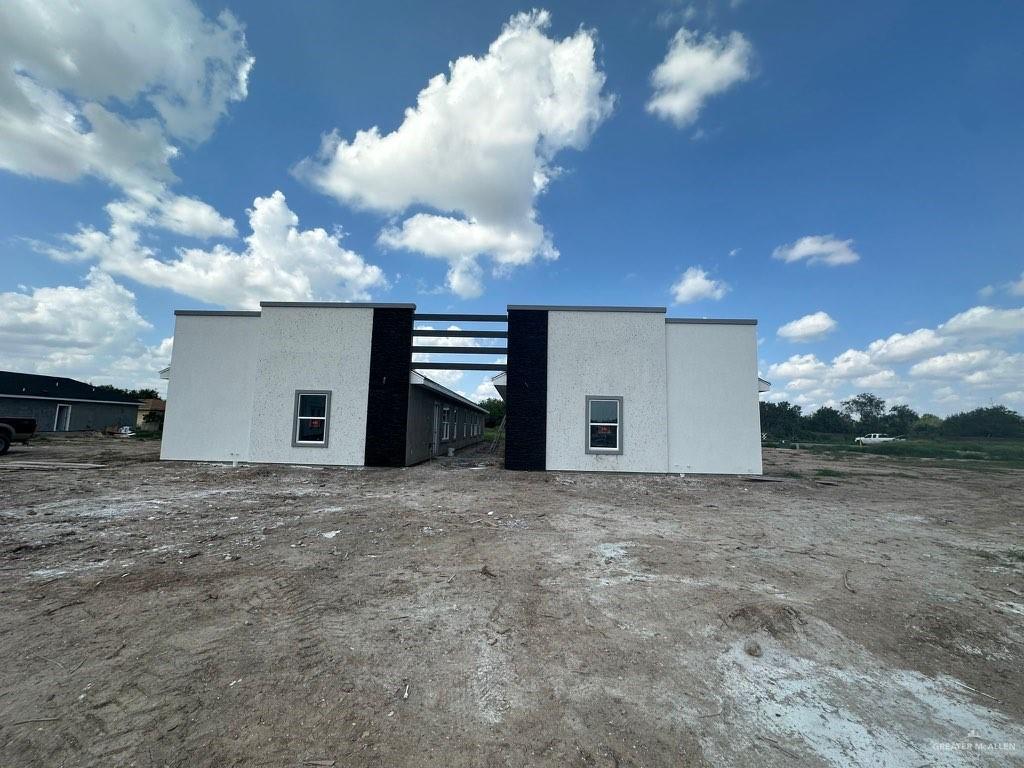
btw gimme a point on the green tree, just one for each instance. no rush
(995, 421)
(495, 411)
(129, 394)
(867, 409)
(154, 421)
(780, 421)
(900, 420)
(829, 421)
(928, 425)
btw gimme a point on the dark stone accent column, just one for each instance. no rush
(387, 405)
(526, 390)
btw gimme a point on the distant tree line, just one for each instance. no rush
(867, 413)
(129, 394)
(495, 411)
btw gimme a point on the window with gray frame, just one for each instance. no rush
(312, 419)
(604, 424)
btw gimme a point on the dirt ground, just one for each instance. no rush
(455, 614)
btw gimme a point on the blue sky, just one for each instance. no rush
(850, 175)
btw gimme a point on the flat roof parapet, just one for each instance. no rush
(337, 304)
(215, 313)
(564, 308)
(710, 321)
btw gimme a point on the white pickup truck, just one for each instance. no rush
(874, 439)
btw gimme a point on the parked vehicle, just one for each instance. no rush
(875, 438)
(15, 429)
(124, 432)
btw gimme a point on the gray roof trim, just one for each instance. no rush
(563, 308)
(709, 321)
(336, 304)
(440, 389)
(135, 403)
(213, 313)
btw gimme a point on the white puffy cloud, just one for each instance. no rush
(280, 261)
(192, 217)
(900, 347)
(65, 67)
(985, 322)
(695, 69)
(798, 367)
(977, 368)
(801, 384)
(450, 379)
(879, 380)
(1017, 286)
(477, 148)
(818, 249)
(484, 391)
(695, 284)
(89, 331)
(808, 328)
(852, 362)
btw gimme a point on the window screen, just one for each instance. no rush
(312, 413)
(604, 424)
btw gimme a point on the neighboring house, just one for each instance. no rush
(586, 388)
(151, 405)
(59, 404)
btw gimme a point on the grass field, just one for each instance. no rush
(1003, 451)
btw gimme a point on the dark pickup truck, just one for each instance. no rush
(14, 429)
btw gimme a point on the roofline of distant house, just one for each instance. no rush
(73, 399)
(441, 389)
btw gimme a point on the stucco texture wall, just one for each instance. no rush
(311, 348)
(209, 393)
(713, 414)
(619, 354)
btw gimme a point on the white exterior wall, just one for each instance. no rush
(713, 413)
(319, 348)
(611, 353)
(209, 393)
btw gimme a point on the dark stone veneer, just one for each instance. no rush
(387, 405)
(527, 390)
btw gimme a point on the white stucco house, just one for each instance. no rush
(621, 389)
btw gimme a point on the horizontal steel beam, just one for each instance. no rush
(464, 318)
(458, 366)
(461, 334)
(463, 350)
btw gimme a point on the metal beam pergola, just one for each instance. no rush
(434, 366)
(464, 318)
(437, 349)
(460, 334)
(463, 350)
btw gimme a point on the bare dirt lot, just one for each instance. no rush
(455, 614)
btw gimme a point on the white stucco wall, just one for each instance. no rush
(713, 413)
(318, 348)
(610, 353)
(209, 392)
